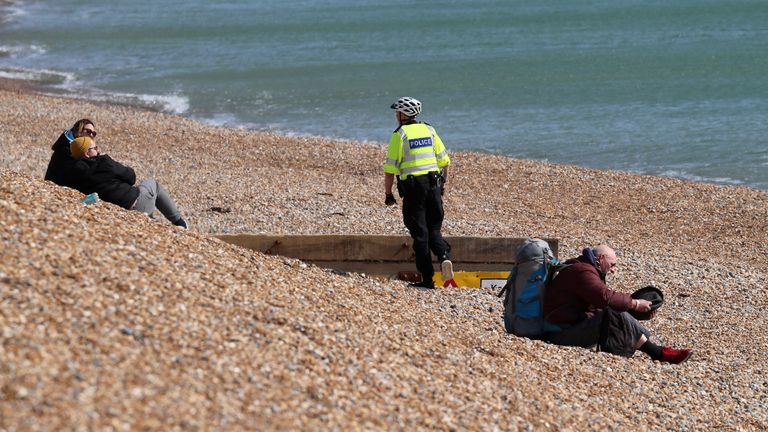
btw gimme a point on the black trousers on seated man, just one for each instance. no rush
(423, 216)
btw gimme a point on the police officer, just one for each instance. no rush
(417, 156)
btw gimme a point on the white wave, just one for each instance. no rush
(701, 179)
(66, 84)
(222, 119)
(40, 76)
(15, 51)
(172, 104)
(230, 120)
(10, 11)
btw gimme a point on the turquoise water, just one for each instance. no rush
(656, 87)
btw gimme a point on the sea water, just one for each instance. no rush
(650, 86)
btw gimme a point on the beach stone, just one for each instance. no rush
(213, 336)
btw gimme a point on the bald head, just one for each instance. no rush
(606, 258)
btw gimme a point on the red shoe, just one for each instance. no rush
(675, 356)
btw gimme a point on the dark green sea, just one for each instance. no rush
(668, 88)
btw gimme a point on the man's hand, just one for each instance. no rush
(390, 200)
(641, 305)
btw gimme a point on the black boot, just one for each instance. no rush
(181, 222)
(429, 284)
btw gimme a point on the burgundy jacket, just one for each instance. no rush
(579, 291)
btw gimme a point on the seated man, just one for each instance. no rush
(114, 182)
(578, 299)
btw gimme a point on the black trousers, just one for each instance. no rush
(423, 216)
(587, 333)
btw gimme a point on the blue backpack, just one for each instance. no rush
(535, 266)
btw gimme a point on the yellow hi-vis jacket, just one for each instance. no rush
(414, 150)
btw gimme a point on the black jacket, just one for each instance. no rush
(61, 161)
(103, 175)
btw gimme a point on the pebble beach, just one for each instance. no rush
(112, 321)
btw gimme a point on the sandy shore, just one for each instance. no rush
(109, 319)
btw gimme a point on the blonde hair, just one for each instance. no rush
(79, 146)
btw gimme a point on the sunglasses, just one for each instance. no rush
(96, 148)
(90, 132)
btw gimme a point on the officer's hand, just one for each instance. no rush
(390, 200)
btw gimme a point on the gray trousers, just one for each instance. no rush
(586, 333)
(153, 196)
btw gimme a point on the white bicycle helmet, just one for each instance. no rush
(408, 106)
